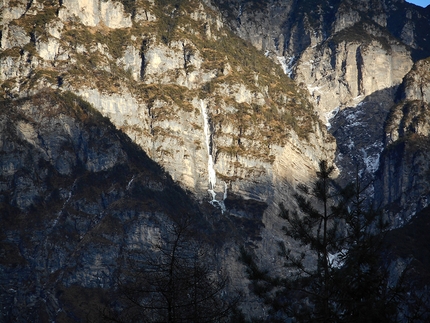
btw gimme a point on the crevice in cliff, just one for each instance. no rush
(33, 37)
(332, 48)
(187, 52)
(29, 3)
(60, 81)
(151, 117)
(239, 142)
(143, 49)
(359, 62)
(422, 92)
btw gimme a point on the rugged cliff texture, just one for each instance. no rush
(209, 108)
(342, 51)
(73, 190)
(78, 198)
(351, 57)
(403, 179)
(153, 74)
(230, 98)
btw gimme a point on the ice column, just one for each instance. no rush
(211, 169)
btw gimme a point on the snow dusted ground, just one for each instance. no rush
(359, 133)
(287, 64)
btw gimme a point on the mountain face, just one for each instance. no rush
(71, 187)
(350, 56)
(406, 149)
(119, 115)
(342, 51)
(79, 199)
(155, 86)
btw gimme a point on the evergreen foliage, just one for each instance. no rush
(340, 275)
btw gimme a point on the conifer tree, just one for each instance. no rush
(339, 275)
(316, 228)
(362, 291)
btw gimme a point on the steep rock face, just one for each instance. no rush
(358, 59)
(416, 84)
(403, 183)
(349, 55)
(343, 74)
(77, 199)
(217, 115)
(153, 85)
(64, 173)
(360, 136)
(93, 12)
(342, 51)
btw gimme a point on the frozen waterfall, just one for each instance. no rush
(211, 169)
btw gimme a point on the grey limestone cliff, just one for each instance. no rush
(113, 111)
(403, 179)
(350, 56)
(78, 199)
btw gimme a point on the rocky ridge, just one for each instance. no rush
(342, 51)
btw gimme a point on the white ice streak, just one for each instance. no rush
(129, 183)
(287, 64)
(330, 115)
(240, 12)
(211, 168)
(353, 117)
(358, 100)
